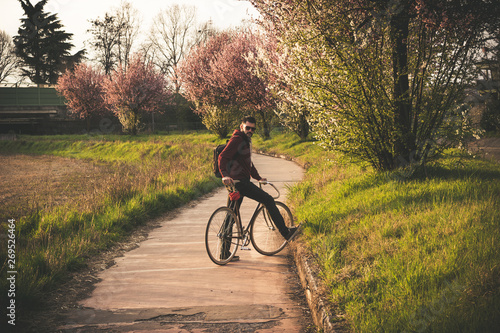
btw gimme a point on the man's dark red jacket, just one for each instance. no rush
(235, 161)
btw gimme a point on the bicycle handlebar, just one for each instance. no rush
(272, 185)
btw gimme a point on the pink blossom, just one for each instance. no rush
(83, 90)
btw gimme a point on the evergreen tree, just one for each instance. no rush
(42, 45)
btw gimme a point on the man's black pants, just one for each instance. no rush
(252, 191)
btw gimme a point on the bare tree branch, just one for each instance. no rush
(172, 35)
(8, 58)
(128, 18)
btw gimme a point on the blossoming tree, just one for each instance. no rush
(218, 78)
(382, 78)
(134, 90)
(83, 90)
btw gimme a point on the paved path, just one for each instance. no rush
(168, 283)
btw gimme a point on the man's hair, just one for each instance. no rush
(249, 119)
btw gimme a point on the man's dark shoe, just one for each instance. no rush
(292, 232)
(235, 258)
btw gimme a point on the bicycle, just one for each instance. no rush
(222, 241)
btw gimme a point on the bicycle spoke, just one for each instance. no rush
(266, 237)
(221, 236)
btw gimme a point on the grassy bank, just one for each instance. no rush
(403, 255)
(119, 182)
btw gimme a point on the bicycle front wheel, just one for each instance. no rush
(222, 236)
(265, 236)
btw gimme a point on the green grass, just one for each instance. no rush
(404, 255)
(108, 148)
(137, 178)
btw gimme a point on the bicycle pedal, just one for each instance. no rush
(245, 248)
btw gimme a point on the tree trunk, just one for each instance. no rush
(153, 121)
(303, 127)
(266, 128)
(405, 141)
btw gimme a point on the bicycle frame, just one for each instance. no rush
(235, 207)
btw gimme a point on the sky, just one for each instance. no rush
(74, 14)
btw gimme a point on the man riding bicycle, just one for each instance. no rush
(236, 167)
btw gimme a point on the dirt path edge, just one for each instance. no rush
(315, 297)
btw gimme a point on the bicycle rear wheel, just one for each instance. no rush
(222, 236)
(265, 236)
